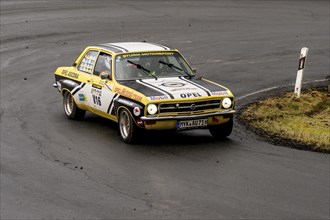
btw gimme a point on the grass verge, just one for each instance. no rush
(302, 122)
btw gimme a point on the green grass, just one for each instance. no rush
(305, 120)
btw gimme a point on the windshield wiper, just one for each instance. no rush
(172, 66)
(146, 71)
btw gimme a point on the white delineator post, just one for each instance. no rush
(300, 73)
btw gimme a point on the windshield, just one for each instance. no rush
(145, 65)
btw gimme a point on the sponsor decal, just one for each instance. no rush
(96, 92)
(136, 111)
(220, 93)
(181, 89)
(118, 59)
(96, 95)
(82, 97)
(173, 84)
(147, 54)
(192, 94)
(69, 82)
(97, 86)
(88, 61)
(70, 74)
(128, 94)
(126, 102)
(162, 97)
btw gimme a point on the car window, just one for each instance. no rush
(103, 64)
(175, 61)
(88, 62)
(150, 65)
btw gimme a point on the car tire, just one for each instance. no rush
(127, 129)
(222, 131)
(71, 110)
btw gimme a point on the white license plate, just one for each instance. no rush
(189, 124)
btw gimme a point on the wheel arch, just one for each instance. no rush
(68, 84)
(64, 90)
(124, 103)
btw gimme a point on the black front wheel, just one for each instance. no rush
(223, 130)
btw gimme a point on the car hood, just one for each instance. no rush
(175, 88)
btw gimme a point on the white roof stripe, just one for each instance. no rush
(139, 46)
(114, 46)
(163, 46)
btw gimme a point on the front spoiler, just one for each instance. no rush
(184, 117)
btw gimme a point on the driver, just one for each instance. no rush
(107, 71)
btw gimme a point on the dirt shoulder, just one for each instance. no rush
(302, 123)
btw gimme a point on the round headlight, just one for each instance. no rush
(226, 103)
(152, 109)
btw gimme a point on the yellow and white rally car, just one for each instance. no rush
(143, 85)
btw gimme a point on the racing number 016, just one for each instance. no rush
(97, 100)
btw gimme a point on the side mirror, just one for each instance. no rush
(194, 70)
(74, 64)
(106, 76)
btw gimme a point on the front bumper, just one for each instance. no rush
(187, 117)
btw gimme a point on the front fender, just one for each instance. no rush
(131, 106)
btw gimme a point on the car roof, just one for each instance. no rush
(122, 47)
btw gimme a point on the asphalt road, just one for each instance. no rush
(55, 168)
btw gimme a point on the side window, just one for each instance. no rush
(88, 62)
(103, 64)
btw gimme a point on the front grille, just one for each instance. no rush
(194, 107)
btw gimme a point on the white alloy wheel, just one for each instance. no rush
(71, 109)
(68, 103)
(127, 128)
(125, 124)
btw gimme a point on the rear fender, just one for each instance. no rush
(66, 84)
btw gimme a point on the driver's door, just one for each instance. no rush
(102, 95)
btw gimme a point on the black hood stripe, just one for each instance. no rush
(144, 89)
(213, 87)
(156, 88)
(208, 92)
